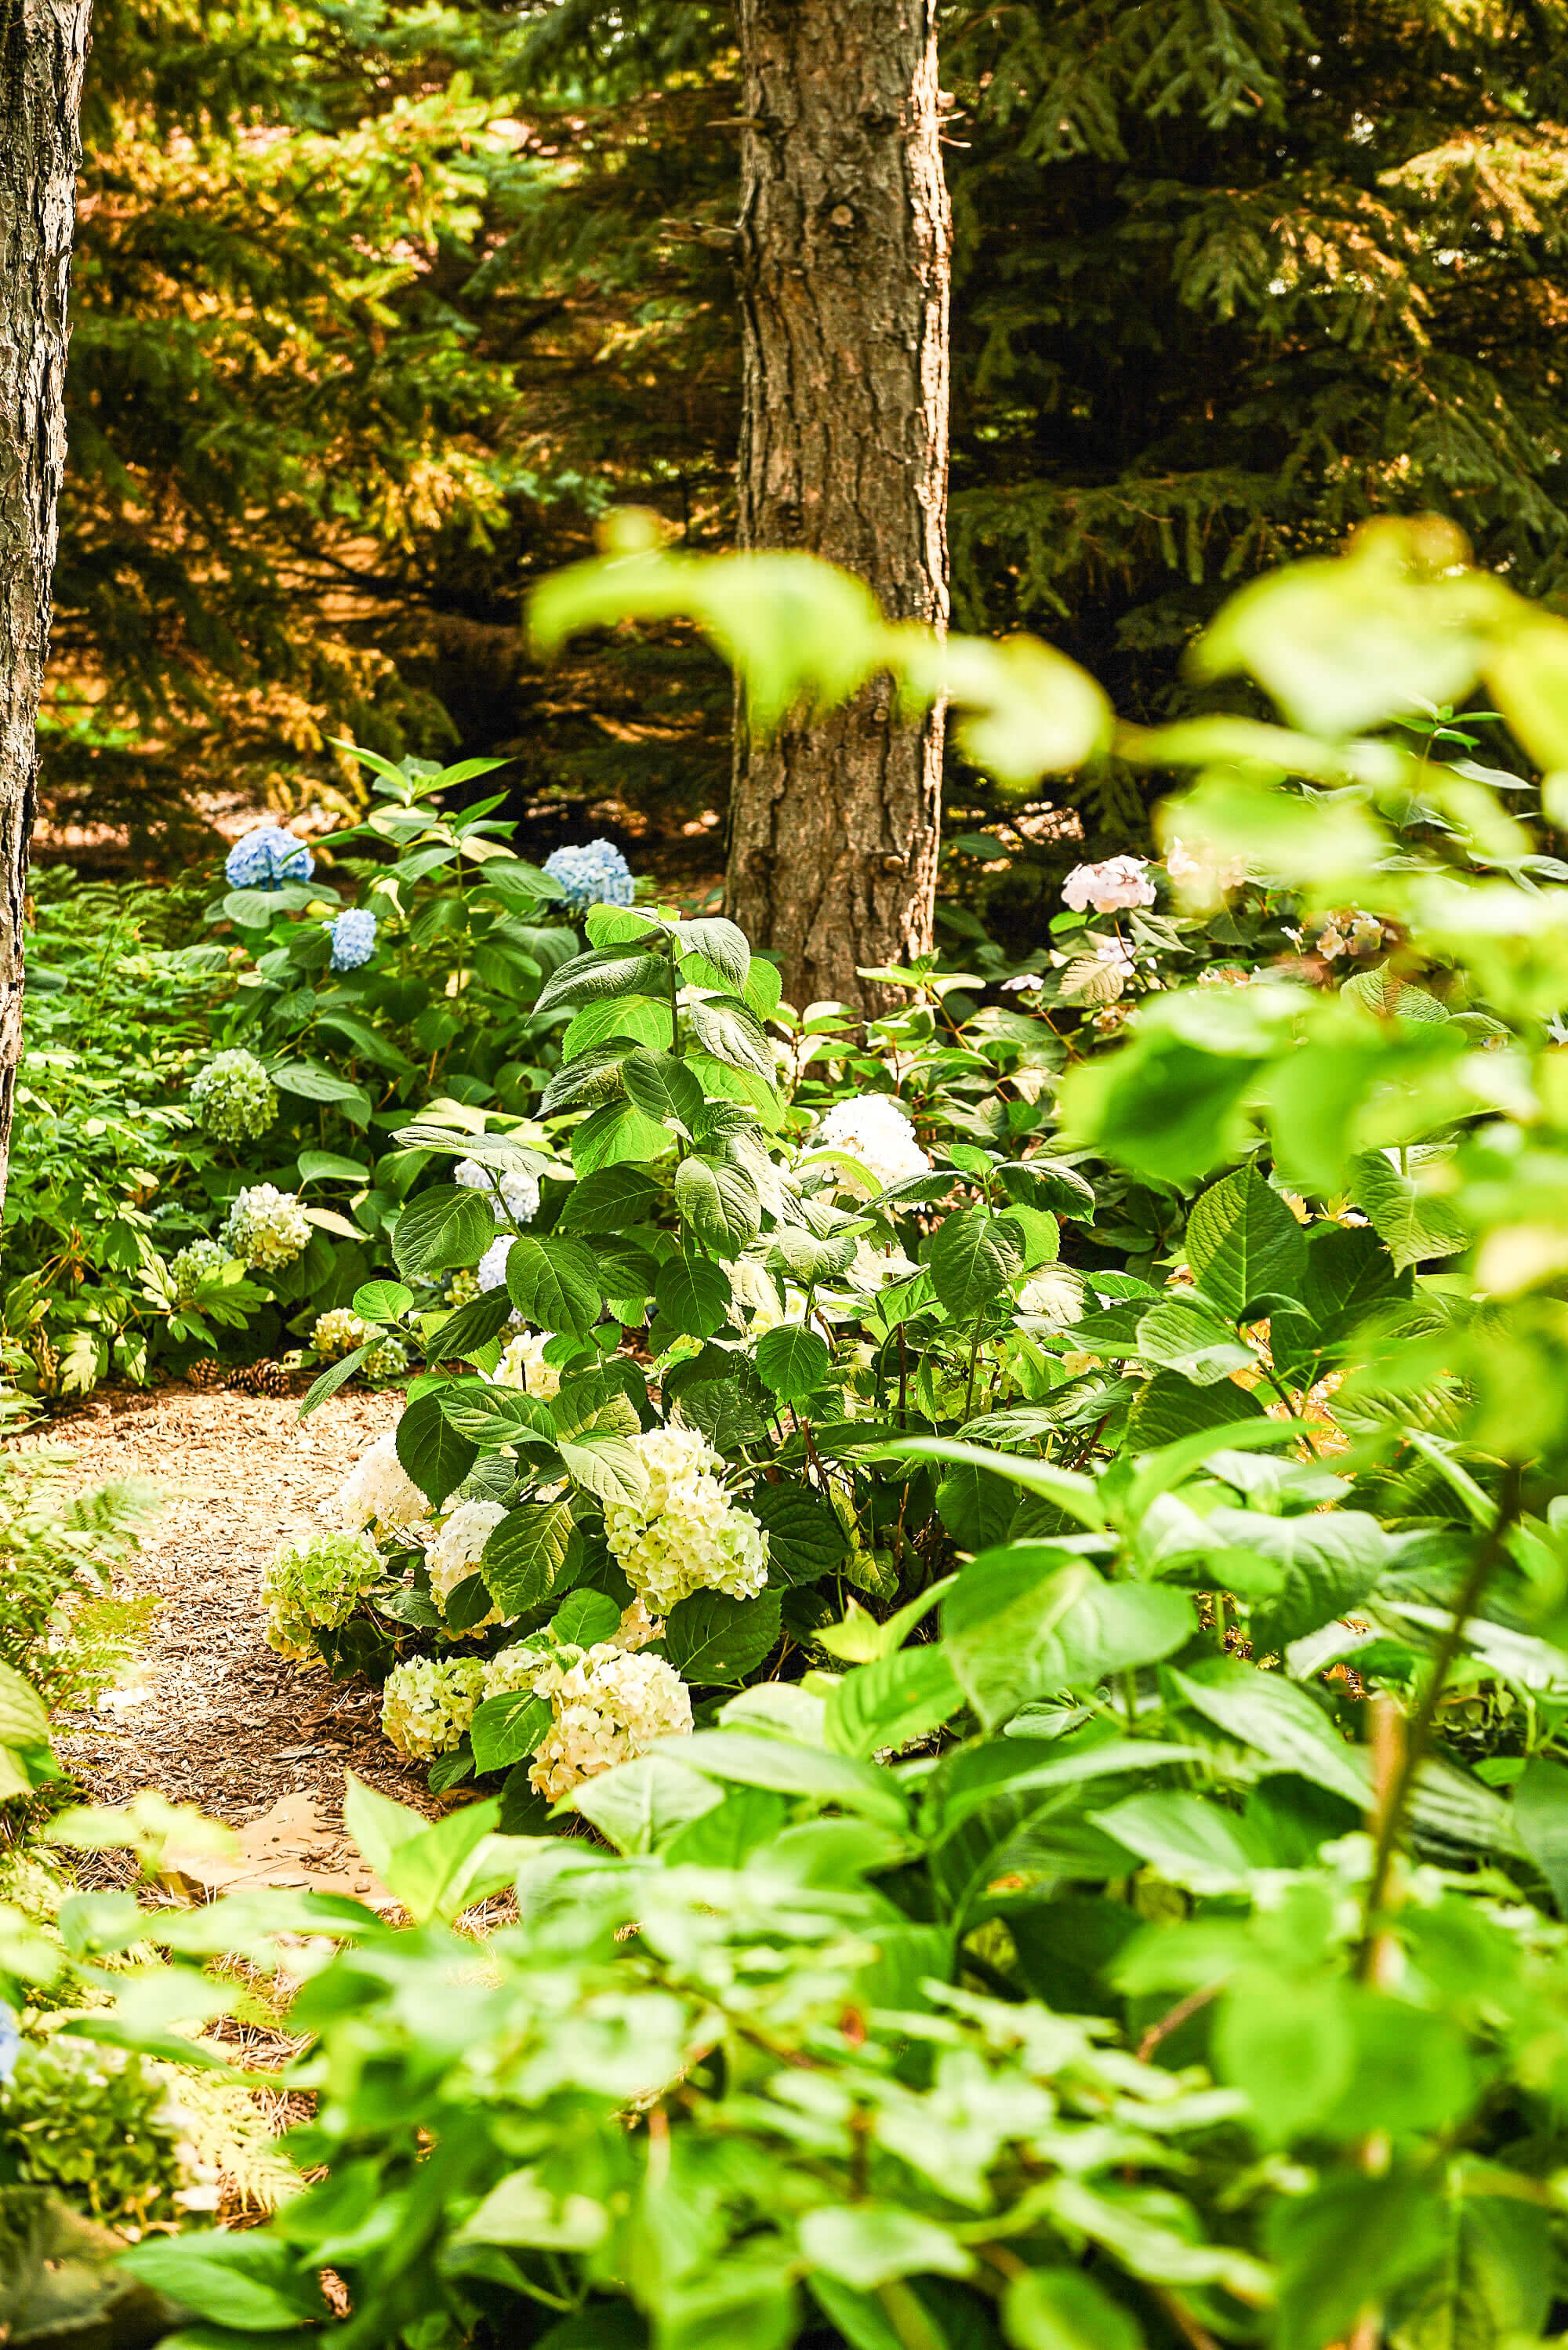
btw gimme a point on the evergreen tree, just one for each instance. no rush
(1233, 276)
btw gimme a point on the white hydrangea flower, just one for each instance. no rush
(636, 1627)
(512, 1671)
(875, 1268)
(428, 1703)
(266, 1227)
(686, 1535)
(609, 1706)
(512, 1194)
(318, 1582)
(1198, 876)
(455, 1553)
(1053, 1293)
(876, 1130)
(1109, 888)
(388, 1359)
(233, 1096)
(490, 1271)
(337, 1332)
(378, 1493)
(523, 1366)
(201, 1261)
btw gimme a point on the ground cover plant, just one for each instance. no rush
(1038, 1547)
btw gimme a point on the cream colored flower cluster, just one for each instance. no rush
(686, 1535)
(268, 1228)
(876, 1132)
(428, 1703)
(315, 1583)
(455, 1553)
(608, 1705)
(337, 1332)
(523, 1366)
(378, 1493)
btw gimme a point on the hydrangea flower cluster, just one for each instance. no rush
(455, 1554)
(523, 1366)
(591, 873)
(1201, 877)
(686, 1535)
(337, 1332)
(1110, 888)
(266, 1227)
(353, 935)
(428, 1702)
(463, 1286)
(608, 1705)
(1349, 927)
(876, 1130)
(315, 1583)
(193, 1265)
(512, 1194)
(380, 1496)
(490, 1271)
(388, 1359)
(266, 857)
(234, 1098)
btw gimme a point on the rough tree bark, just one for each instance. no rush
(844, 265)
(43, 51)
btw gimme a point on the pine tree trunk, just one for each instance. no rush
(43, 50)
(844, 263)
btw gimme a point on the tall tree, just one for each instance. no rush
(844, 263)
(43, 49)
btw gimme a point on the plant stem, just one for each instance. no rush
(1391, 1811)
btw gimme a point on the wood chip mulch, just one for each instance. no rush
(226, 1724)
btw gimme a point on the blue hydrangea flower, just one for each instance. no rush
(266, 857)
(10, 2042)
(592, 873)
(353, 939)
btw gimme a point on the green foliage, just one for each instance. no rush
(94, 2124)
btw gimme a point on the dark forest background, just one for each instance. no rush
(379, 307)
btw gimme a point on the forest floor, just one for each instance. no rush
(224, 1723)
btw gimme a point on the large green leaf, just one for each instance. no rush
(1277, 1716)
(607, 1465)
(1243, 1244)
(792, 1362)
(610, 1200)
(892, 1700)
(692, 1294)
(731, 1031)
(615, 1134)
(805, 1540)
(553, 1284)
(808, 1771)
(1031, 1621)
(663, 1088)
(973, 1257)
(24, 1720)
(639, 1805)
(1413, 1221)
(713, 1640)
(1187, 1334)
(524, 1554)
(721, 1203)
(604, 971)
(722, 943)
(471, 1327)
(435, 1456)
(505, 1729)
(442, 1229)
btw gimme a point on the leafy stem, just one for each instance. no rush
(1395, 1800)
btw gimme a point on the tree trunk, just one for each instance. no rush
(844, 263)
(43, 51)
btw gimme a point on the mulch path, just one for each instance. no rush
(227, 1724)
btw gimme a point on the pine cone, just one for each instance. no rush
(207, 1373)
(261, 1379)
